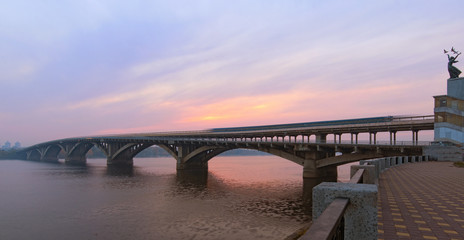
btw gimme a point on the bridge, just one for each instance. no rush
(305, 144)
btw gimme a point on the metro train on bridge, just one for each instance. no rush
(307, 124)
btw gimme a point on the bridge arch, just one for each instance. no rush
(33, 155)
(50, 153)
(76, 152)
(125, 154)
(198, 157)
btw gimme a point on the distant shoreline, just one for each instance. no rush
(151, 152)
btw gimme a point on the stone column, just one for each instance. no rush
(321, 138)
(312, 176)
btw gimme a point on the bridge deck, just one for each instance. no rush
(422, 201)
(378, 124)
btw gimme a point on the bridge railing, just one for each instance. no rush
(263, 140)
(349, 210)
(413, 118)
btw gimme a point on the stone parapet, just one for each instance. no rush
(361, 213)
(369, 173)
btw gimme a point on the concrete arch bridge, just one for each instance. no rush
(192, 150)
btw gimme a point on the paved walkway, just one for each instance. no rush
(421, 201)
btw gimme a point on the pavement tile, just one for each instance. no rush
(421, 201)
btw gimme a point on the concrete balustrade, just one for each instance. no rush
(387, 163)
(369, 173)
(381, 164)
(361, 213)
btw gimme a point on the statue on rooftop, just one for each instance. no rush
(453, 71)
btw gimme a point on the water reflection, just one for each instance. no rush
(120, 171)
(192, 178)
(239, 198)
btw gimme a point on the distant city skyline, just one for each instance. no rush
(7, 145)
(82, 68)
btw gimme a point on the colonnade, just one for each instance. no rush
(322, 138)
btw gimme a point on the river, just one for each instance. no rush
(255, 197)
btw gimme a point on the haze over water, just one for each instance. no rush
(255, 197)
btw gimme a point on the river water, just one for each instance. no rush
(255, 197)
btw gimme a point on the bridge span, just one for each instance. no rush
(193, 149)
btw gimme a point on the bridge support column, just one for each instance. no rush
(76, 153)
(321, 138)
(187, 162)
(355, 135)
(120, 161)
(370, 137)
(415, 137)
(393, 138)
(194, 165)
(312, 176)
(118, 155)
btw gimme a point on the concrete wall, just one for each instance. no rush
(455, 87)
(448, 132)
(444, 153)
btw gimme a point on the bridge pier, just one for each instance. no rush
(76, 153)
(313, 176)
(194, 165)
(121, 153)
(75, 160)
(120, 161)
(194, 157)
(196, 178)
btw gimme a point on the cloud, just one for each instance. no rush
(87, 67)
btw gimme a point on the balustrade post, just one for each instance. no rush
(361, 213)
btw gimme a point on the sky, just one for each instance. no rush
(85, 68)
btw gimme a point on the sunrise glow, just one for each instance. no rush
(87, 68)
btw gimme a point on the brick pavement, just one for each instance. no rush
(421, 201)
